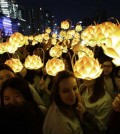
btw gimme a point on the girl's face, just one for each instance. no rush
(12, 96)
(68, 90)
(89, 83)
(4, 75)
(107, 67)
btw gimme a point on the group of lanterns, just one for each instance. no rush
(105, 35)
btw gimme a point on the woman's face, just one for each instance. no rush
(4, 75)
(12, 96)
(89, 83)
(68, 90)
(107, 67)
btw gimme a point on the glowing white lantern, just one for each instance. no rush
(87, 68)
(55, 51)
(33, 62)
(54, 65)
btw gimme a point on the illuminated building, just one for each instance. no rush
(10, 16)
(38, 19)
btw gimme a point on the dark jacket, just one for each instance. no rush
(22, 119)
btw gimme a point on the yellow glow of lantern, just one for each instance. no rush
(53, 41)
(33, 62)
(48, 30)
(112, 47)
(87, 68)
(17, 39)
(96, 35)
(3, 48)
(46, 36)
(78, 28)
(11, 48)
(54, 65)
(55, 51)
(65, 24)
(15, 64)
(63, 33)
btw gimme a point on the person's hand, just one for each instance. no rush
(80, 106)
(116, 103)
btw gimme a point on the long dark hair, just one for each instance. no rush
(55, 89)
(19, 84)
(104, 59)
(98, 90)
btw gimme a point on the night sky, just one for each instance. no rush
(75, 9)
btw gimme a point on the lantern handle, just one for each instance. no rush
(9, 55)
(74, 57)
(73, 60)
(43, 52)
(113, 18)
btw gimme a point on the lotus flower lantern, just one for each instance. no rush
(87, 68)
(112, 47)
(54, 65)
(56, 51)
(17, 39)
(15, 64)
(33, 62)
(65, 24)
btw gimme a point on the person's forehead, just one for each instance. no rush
(5, 72)
(68, 82)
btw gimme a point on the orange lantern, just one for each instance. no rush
(54, 65)
(33, 62)
(87, 68)
(15, 64)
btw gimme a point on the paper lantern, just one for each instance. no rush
(87, 68)
(39, 38)
(48, 30)
(46, 36)
(31, 37)
(17, 39)
(65, 25)
(54, 65)
(96, 35)
(3, 48)
(33, 62)
(10, 48)
(15, 64)
(55, 51)
(53, 41)
(112, 47)
(63, 33)
(78, 28)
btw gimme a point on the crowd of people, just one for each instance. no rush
(33, 102)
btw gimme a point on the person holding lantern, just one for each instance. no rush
(94, 106)
(62, 116)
